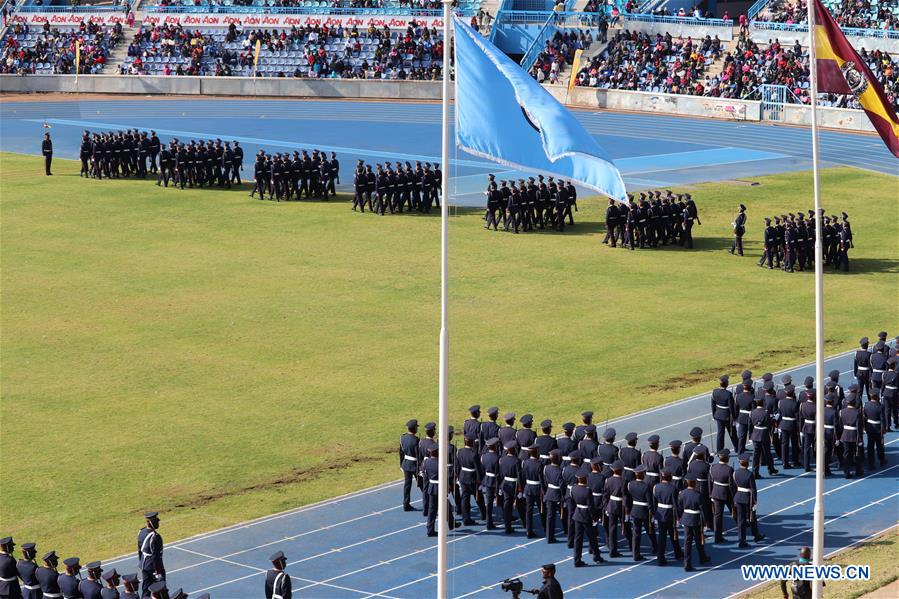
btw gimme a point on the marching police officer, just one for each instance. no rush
(745, 501)
(861, 368)
(509, 481)
(27, 570)
(721, 492)
(489, 428)
(468, 474)
(744, 402)
(425, 445)
(788, 410)
(111, 580)
(532, 477)
(472, 428)
(149, 552)
(689, 503)
(277, 581)
(851, 437)
(665, 504)
(874, 417)
(9, 581)
(409, 459)
(639, 511)
(90, 587)
(582, 518)
(68, 581)
(130, 585)
(47, 575)
(614, 492)
(490, 480)
(760, 422)
(724, 412)
(553, 492)
(652, 459)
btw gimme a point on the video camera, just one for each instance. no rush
(515, 586)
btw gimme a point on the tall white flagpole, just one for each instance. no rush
(820, 466)
(443, 417)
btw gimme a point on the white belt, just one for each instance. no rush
(628, 468)
(869, 422)
(490, 474)
(722, 407)
(582, 506)
(686, 511)
(810, 422)
(744, 490)
(666, 506)
(544, 456)
(597, 494)
(53, 595)
(565, 458)
(862, 367)
(703, 480)
(652, 474)
(878, 371)
(464, 469)
(846, 427)
(410, 458)
(615, 498)
(787, 418)
(33, 587)
(891, 387)
(7, 579)
(510, 479)
(828, 426)
(433, 482)
(552, 486)
(643, 503)
(676, 477)
(532, 482)
(746, 411)
(721, 484)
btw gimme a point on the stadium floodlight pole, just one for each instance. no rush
(818, 534)
(443, 411)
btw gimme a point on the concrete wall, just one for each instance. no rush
(834, 118)
(224, 86)
(732, 110)
(676, 29)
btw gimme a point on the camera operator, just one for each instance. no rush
(551, 588)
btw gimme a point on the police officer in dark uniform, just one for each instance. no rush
(760, 422)
(614, 492)
(566, 443)
(551, 588)
(665, 504)
(721, 492)
(745, 501)
(490, 482)
(468, 474)
(739, 226)
(553, 489)
(130, 585)
(69, 580)
(608, 451)
(47, 151)
(277, 581)
(689, 503)
(90, 587)
(425, 445)
(110, 585)
(630, 456)
(545, 442)
(149, 552)
(165, 167)
(525, 436)
(639, 509)
(807, 414)
(612, 219)
(409, 460)
(582, 518)
(652, 459)
(432, 472)
(744, 403)
(788, 411)
(48, 577)
(489, 428)
(851, 437)
(692, 448)
(27, 571)
(890, 395)
(724, 412)
(494, 199)
(675, 464)
(334, 175)
(507, 433)
(509, 481)
(569, 479)
(874, 417)
(589, 446)
(532, 478)
(9, 581)
(84, 153)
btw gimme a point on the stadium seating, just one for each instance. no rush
(47, 50)
(861, 14)
(558, 52)
(310, 52)
(267, 5)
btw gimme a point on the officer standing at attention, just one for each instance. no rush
(789, 429)
(68, 581)
(409, 458)
(724, 411)
(525, 436)
(639, 510)
(510, 481)
(551, 588)
(425, 445)
(111, 580)
(90, 587)
(745, 500)
(47, 151)
(612, 216)
(149, 552)
(745, 402)
(130, 585)
(468, 474)
(689, 503)
(614, 492)
(472, 428)
(807, 412)
(582, 518)
(739, 225)
(545, 442)
(490, 481)
(532, 475)
(722, 492)
(489, 428)
(587, 419)
(761, 439)
(9, 581)
(861, 368)
(27, 570)
(874, 417)
(851, 424)
(552, 493)
(675, 464)
(507, 433)
(277, 581)
(665, 504)
(47, 575)
(652, 459)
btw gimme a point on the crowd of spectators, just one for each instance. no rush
(750, 65)
(861, 14)
(317, 52)
(660, 63)
(414, 4)
(52, 50)
(559, 52)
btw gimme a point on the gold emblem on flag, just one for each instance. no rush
(857, 82)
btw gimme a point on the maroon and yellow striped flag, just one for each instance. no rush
(842, 71)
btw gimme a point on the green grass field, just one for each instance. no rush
(217, 358)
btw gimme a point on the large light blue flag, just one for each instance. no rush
(504, 115)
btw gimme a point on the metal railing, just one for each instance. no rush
(803, 28)
(545, 33)
(756, 8)
(82, 8)
(697, 21)
(296, 10)
(560, 19)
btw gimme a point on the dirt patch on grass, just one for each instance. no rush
(296, 475)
